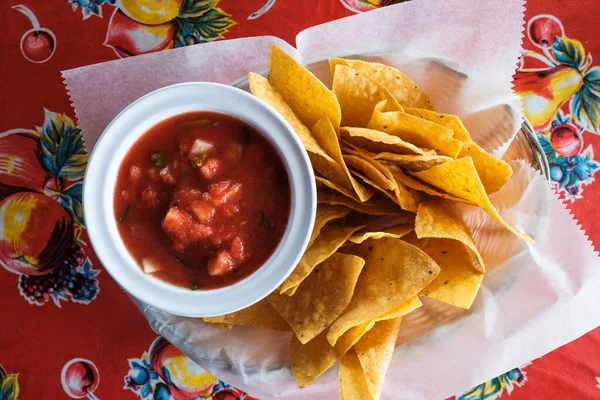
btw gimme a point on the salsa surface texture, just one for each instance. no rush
(202, 200)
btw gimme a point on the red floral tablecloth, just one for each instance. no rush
(67, 330)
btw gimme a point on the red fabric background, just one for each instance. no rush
(37, 341)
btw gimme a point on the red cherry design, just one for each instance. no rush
(37, 44)
(80, 378)
(227, 394)
(542, 29)
(566, 140)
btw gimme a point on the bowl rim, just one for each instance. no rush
(100, 179)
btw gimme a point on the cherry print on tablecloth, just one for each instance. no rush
(263, 10)
(41, 239)
(80, 378)
(37, 44)
(359, 6)
(561, 98)
(163, 373)
(543, 28)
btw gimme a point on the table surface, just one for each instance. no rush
(73, 331)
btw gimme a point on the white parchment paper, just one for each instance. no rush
(534, 298)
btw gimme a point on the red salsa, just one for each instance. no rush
(202, 200)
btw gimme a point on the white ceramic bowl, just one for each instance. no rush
(100, 180)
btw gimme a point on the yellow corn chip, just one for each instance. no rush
(259, 315)
(328, 242)
(358, 94)
(457, 283)
(395, 232)
(353, 383)
(408, 199)
(365, 208)
(321, 297)
(367, 191)
(326, 213)
(440, 219)
(378, 142)
(410, 182)
(310, 99)
(311, 360)
(459, 178)
(326, 135)
(375, 350)
(494, 173)
(220, 326)
(417, 131)
(403, 309)
(321, 162)
(394, 272)
(385, 106)
(368, 170)
(413, 162)
(401, 86)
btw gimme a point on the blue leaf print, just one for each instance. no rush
(63, 150)
(586, 102)
(569, 51)
(493, 388)
(70, 199)
(146, 391)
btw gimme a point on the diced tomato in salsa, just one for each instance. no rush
(192, 194)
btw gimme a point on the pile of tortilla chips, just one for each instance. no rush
(380, 153)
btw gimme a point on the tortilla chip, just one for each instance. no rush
(417, 131)
(368, 191)
(367, 169)
(395, 232)
(323, 163)
(457, 283)
(378, 142)
(358, 94)
(413, 162)
(375, 350)
(401, 86)
(405, 308)
(353, 382)
(311, 360)
(404, 197)
(310, 99)
(459, 178)
(259, 315)
(410, 182)
(493, 172)
(326, 213)
(220, 326)
(394, 272)
(441, 219)
(321, 297)
(328, 242)
(371, 157)
(386, 106)
(365, 208)
(326, 135)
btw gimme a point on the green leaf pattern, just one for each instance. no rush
(569, 52)
(201, 21)
(586, 102)
(63, 151)
(9, 387)
(195, 8)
